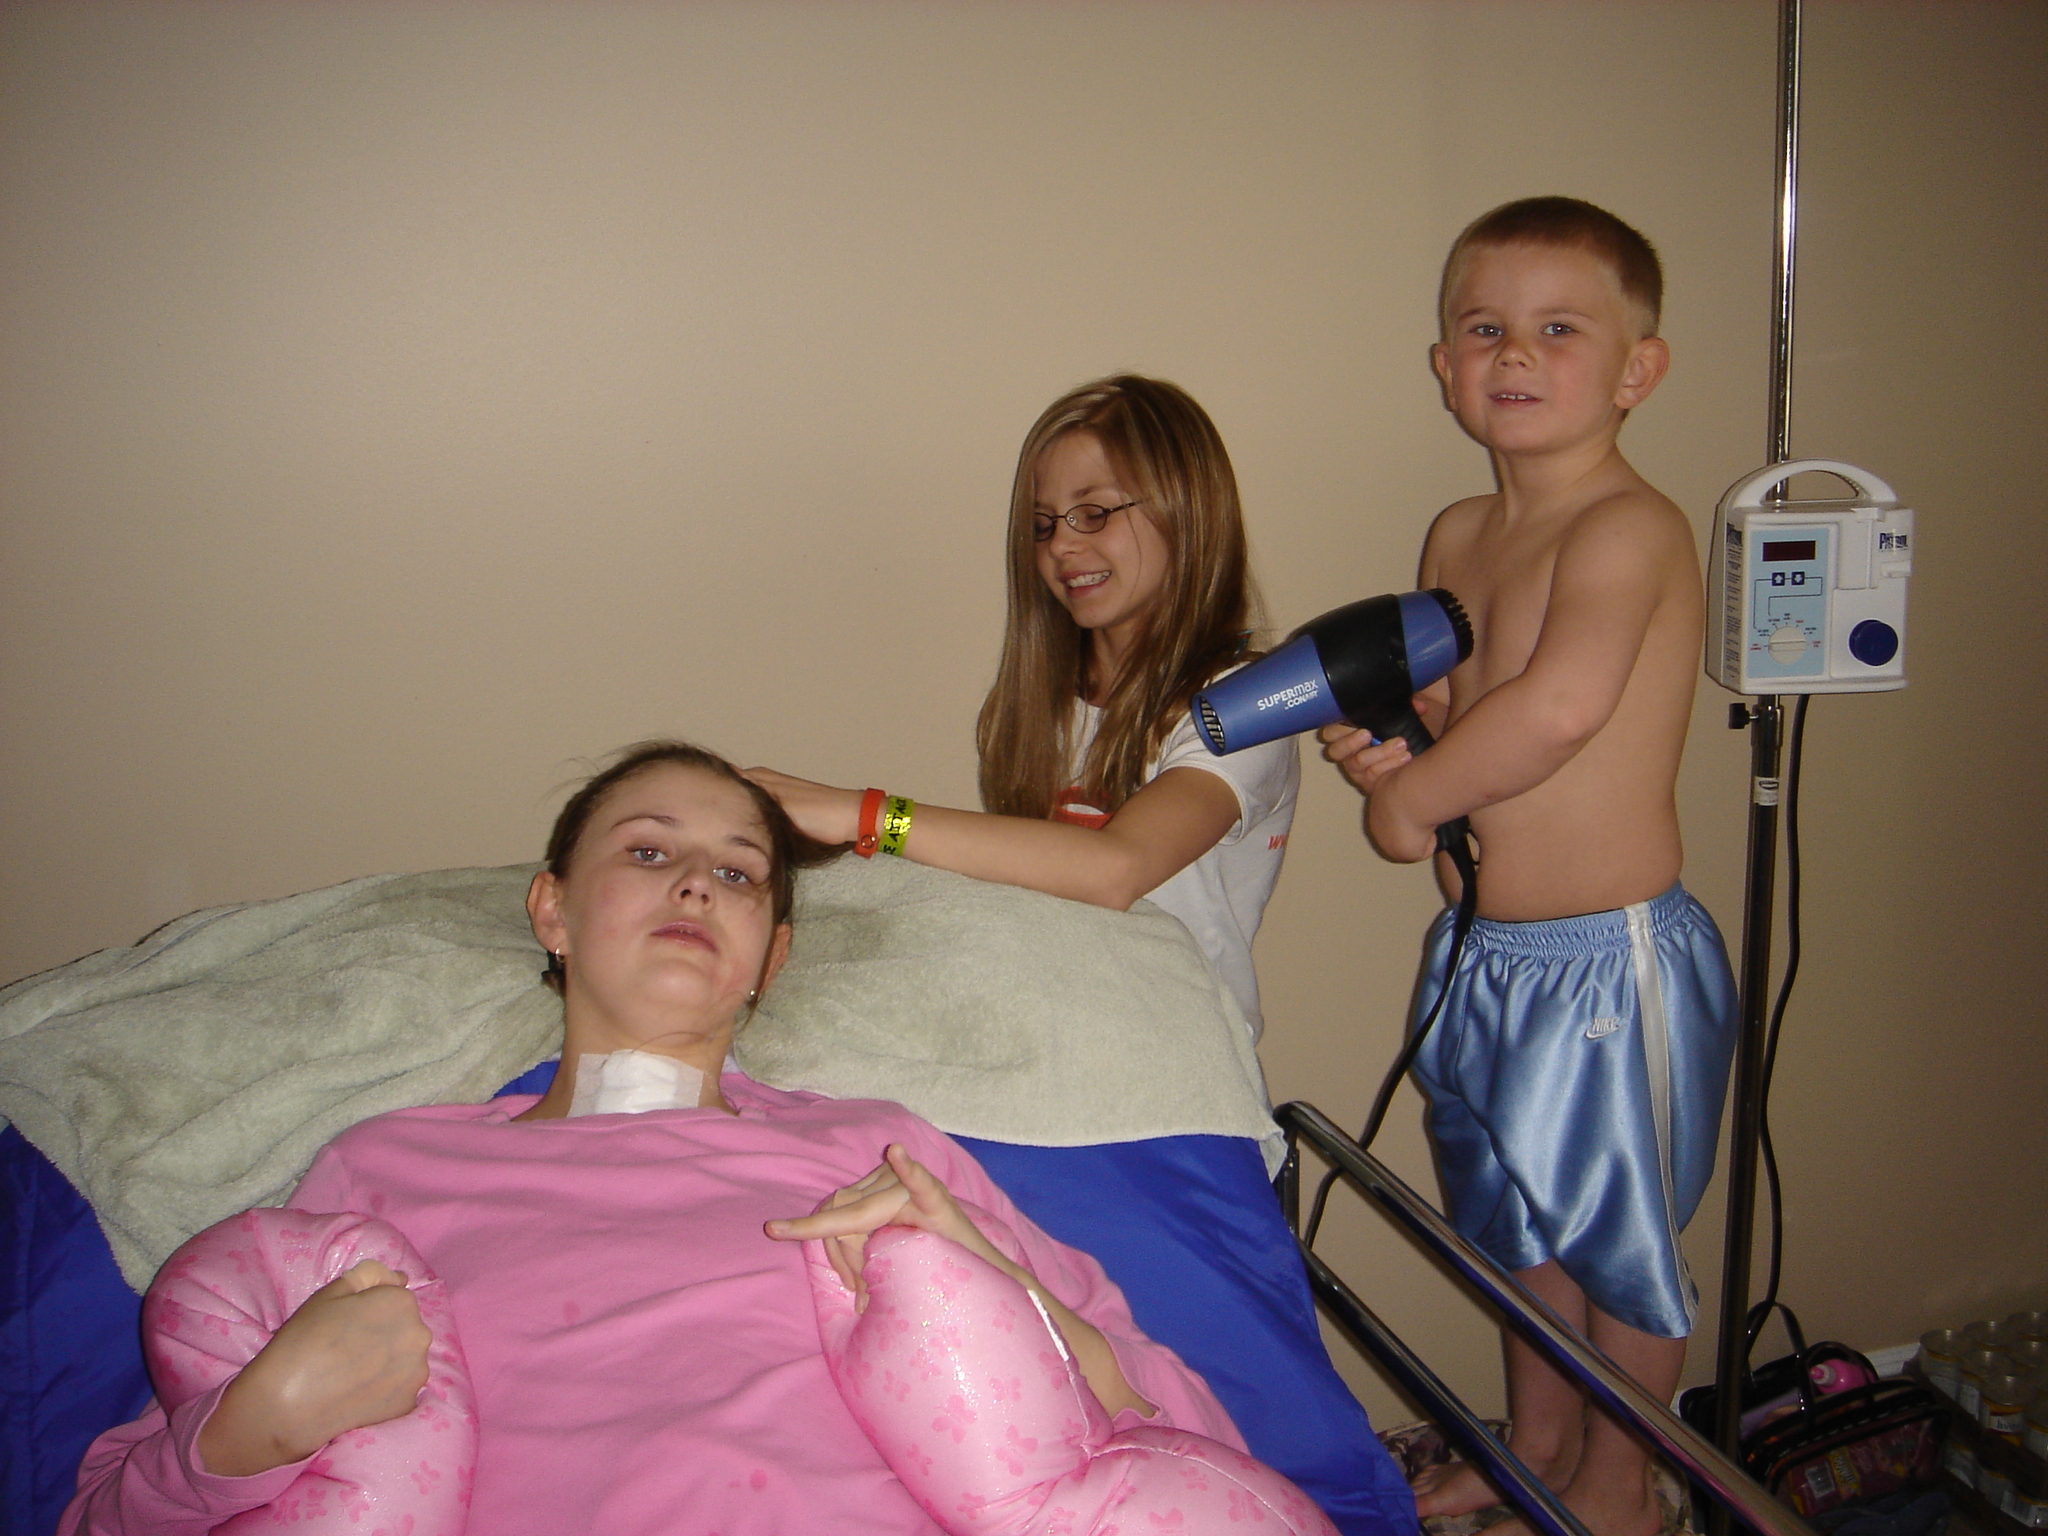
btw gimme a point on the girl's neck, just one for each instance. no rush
(1107, 653)
(704, 1055)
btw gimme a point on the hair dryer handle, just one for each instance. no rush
(1402, 721)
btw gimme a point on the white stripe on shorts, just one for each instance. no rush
(1657, 1058)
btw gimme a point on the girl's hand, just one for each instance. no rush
(1364, 761)
(905, 1193)
(900, 1192)
(821, 812)
(354, 1354)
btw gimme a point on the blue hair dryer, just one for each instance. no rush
(1361, 663)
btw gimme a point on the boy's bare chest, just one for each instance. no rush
(1504, 585)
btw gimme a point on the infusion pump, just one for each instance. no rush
(1809, 596)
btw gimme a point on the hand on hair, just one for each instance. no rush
(828, 815)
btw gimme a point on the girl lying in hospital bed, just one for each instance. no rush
(542, 1315)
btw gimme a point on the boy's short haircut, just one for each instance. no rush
(1564, 221)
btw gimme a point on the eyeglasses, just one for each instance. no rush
(1082, 519)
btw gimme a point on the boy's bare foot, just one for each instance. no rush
(1610, 1507)
(1455, 1488)
(1460, 1487)
(1599, 1508)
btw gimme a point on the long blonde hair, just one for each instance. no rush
(1168, 452)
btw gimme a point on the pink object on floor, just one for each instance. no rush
(220, 1298)
(1835, 1375)
(973, 1400)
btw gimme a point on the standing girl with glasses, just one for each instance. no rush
(1129, 590)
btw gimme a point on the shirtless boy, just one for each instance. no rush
(1576, 1074)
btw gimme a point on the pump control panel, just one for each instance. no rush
(1809, 596)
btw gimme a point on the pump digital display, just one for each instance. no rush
(1789, 549)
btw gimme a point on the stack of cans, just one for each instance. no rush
(1997, 1373)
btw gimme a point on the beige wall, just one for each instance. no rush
(404, 402)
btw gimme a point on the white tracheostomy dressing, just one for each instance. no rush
(632, 1082)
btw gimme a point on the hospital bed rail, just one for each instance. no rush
(1708, 1467)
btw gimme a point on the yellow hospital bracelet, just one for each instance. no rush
(895, 824)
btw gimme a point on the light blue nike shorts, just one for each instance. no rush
(1575, 1079)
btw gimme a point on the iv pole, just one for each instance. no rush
(1765, 720)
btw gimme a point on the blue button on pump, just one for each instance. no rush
(1873, 642)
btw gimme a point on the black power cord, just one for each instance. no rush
(1454, 840)
(1795, 754)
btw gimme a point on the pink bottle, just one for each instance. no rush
(1838, 1376)
(968, 1391)
(220, 1298)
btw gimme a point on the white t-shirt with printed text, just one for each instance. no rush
(1222, 895)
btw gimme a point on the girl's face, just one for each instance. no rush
(665, 920)
(1108, 580)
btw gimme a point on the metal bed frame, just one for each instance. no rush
(1708, 1467)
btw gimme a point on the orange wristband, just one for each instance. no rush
(870, 813)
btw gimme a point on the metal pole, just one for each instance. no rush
(1766, 724)
(1787, 232)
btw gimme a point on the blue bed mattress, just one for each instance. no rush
(1186, 1225)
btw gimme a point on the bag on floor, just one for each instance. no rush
(1821, 1431)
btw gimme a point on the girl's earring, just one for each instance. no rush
(753, 997)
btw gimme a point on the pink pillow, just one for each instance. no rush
(973, 1400)
(220, 1298)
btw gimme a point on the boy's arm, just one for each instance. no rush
(1609, 577)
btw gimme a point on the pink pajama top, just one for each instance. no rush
(645, 1359)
